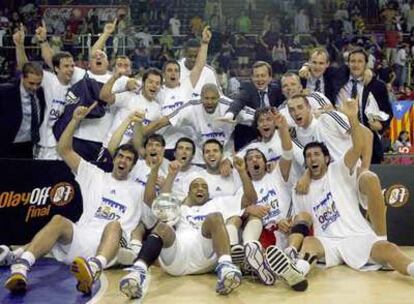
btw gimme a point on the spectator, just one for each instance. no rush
(175, 25)
(196, 25)
(244, 23)
(403, 140)
(144, 37)
(400, 66)
(302, 22)
(234, 84)
(410, 18)
(167, 40)
(140, 59)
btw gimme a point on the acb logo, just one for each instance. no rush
(61, 194)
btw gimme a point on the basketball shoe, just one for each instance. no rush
(135, 284)
(255, 259)
(86, 272)
(17, 281)
(228, 277)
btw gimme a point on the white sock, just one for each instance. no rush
(136, 246)
(29, 257)
(141, 264)
(18, 252)
(224, 258)
(253, 230)
(382, 237)
(303, 266)
(233, 234)
(103, 260)
(410, 269)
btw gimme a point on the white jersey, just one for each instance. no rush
(217, 185)
(272, 149)
(107, 199)
(96, 129)
(332, 128)
(208, 75)
(205, 125)
(141, 171)
(180, 186)
(55, 99)
(272, 190)
(170, 99)
(125, 104)
(333, 203)
(194, 216)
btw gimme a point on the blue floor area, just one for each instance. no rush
(48, 282)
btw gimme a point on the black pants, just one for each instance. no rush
(88, 150)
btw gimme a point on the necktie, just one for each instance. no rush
(262, 96)
(354, 90)
(318, 86)
(34, 124)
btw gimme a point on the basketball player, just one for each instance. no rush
(332, 128)
(199, 241)
(341, 234)
(111, 204)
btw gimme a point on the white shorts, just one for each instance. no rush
(47, 153)
(353, 251)
(85, 242)
(191, 253)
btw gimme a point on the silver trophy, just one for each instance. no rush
(166, 207)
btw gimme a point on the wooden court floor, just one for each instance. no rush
(334, 286)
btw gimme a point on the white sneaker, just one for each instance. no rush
(255, 259)
(228, 277)
(135, 284)
(282, 266)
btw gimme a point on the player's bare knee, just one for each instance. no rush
(384, 247)
(114, 227)
(369, 181)
(303, 217)
(164, 231)
(58, 220)
(215, 219)
(235, 221)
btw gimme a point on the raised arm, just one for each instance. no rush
(173, 168)
(18, 39)
(350, 109)
(107, 32)
(151, 187)
(156, 125)
(249, 193)
(106, 91)
(46, 50)
(285, 161)
(64, 147)
(135, 118)
(201, 57)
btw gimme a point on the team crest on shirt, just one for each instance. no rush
(325, 211)
(113, 191)
(397, 195)
(218, 188)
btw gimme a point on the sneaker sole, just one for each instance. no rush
(80, 270)
(255, 259)
(231, 281)
(130, 288)
(16, 283)
(280, 264)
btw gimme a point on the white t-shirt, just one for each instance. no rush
(141, 171)
(332, 128)
(175, 26)
(205, 126)
(272, 149)
(217, 185)
(272, 190)
(170, 100)
(193, 217)
(96, 129)
(333, 203)
(55, 99)
(208, 75)
(181, 186)
(125, 104)
(107, 199)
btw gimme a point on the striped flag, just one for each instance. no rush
(403, 119)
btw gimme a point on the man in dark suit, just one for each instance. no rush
(257, 93)
(320, 76)
(22, 106)
(375, 92)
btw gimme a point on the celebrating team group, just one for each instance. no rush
(267, 185)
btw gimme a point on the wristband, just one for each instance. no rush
(287, 154)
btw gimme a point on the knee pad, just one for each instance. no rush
(301, 228)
